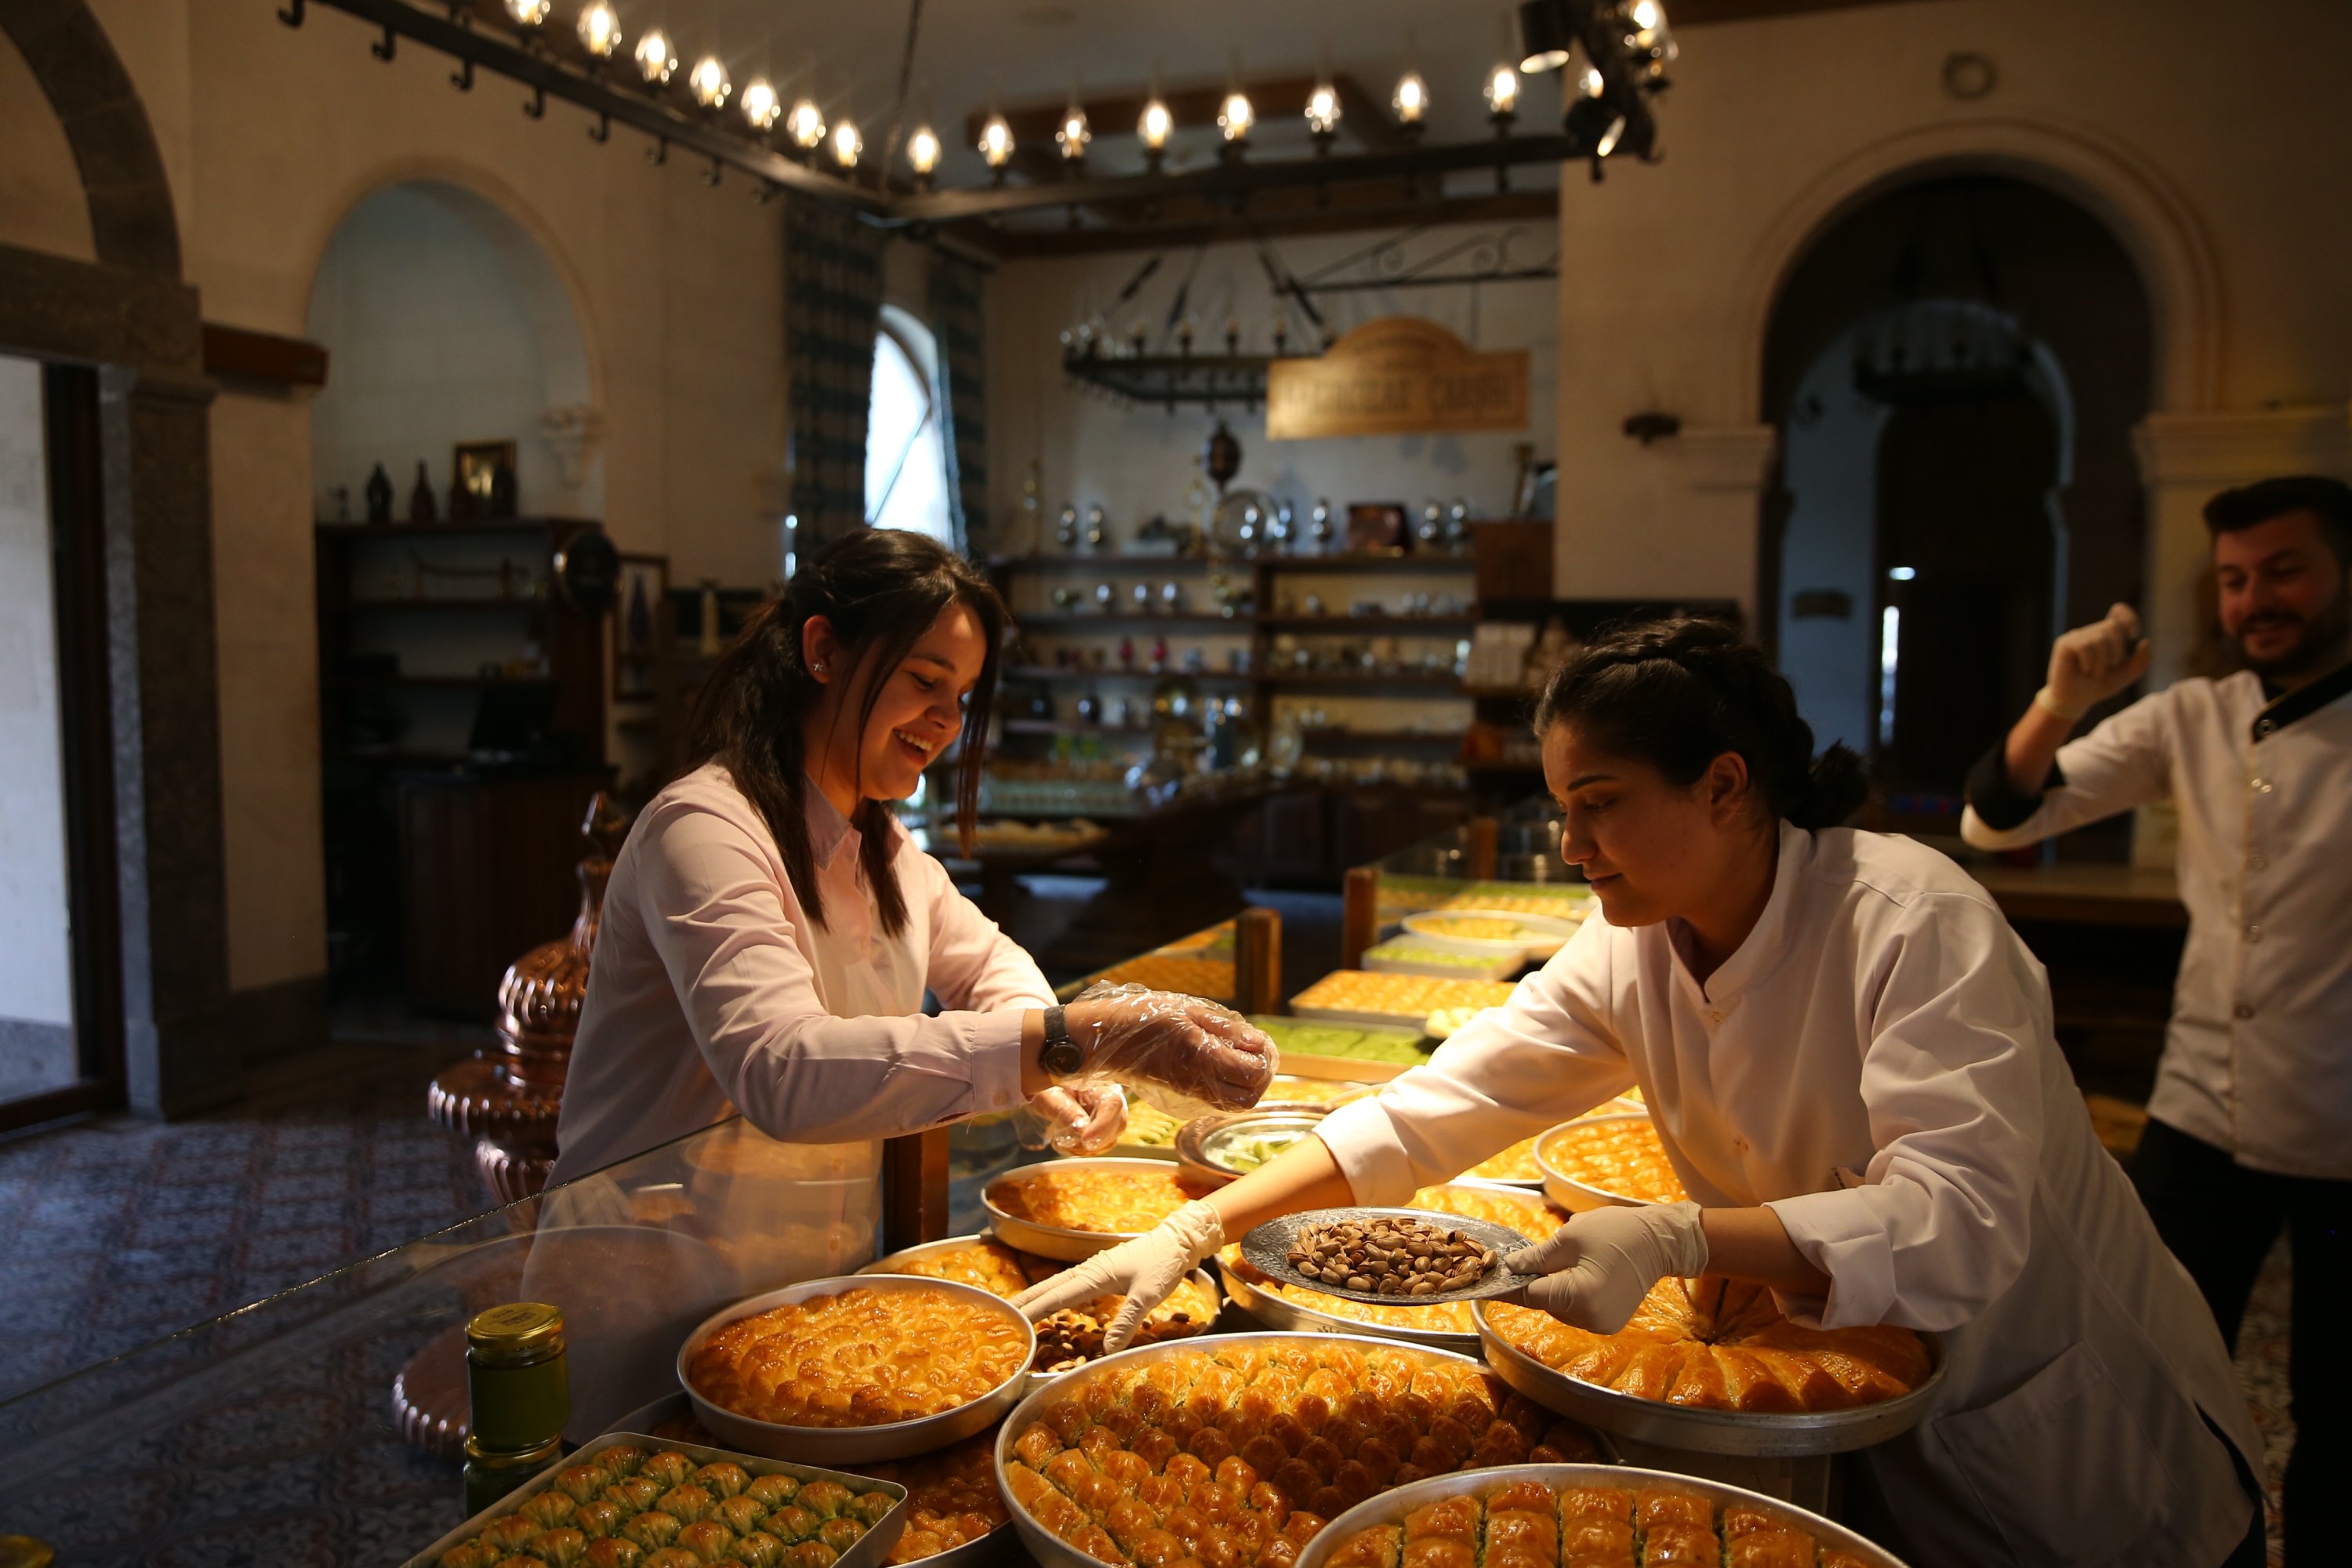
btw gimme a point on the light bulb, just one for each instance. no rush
(996, 142)
(1323, 109)
(1647, 16)
(805, 125)
(760, 104)
(1593, 86)
(846, 142)
(600, 30)
(655, 59)
(1073, 134)
(1236, 116)
(528, 13)
(709, 82)
(1502, 91)
(1412, 99)
(923, 151)
(1155, 126)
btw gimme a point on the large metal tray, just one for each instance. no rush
(1576, 1197)
(852, 1444)
(1390, 1506)
(1059, 1242)
(1268, 1245)
(1048, 1548)
(1197, 1151)
(1037, 1379)
(1753, 1433)
(873, 1547)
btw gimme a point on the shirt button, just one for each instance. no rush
(2264, 727)
(2254, 934)
(2256, 863)
(1714, 1016)
(2242, 1010)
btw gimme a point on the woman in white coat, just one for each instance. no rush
(769, 930)
(1849, 1057)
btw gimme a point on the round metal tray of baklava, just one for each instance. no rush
(1764, 1434)
(1390, 1506)
(1061, 1243)
(1055, 1553)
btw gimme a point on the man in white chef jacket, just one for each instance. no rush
(2250, 1129)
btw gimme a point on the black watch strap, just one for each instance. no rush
(1060, 1055)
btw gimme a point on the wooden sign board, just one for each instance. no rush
(1400, 375)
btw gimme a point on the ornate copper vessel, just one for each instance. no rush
(508, 1100)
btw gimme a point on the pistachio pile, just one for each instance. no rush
(1391, 1257)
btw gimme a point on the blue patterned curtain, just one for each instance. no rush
(956, 322)
(833, 294)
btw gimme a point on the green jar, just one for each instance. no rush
(491, 1475)
(518, 1384)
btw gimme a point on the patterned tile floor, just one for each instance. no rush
(118, 1230)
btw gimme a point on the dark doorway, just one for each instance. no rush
(1985, 505)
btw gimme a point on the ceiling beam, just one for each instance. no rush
(1176, 233)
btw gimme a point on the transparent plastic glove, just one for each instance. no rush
(1073, 1121)
(2091, 664)
(1146, 1271)
(1186, 1056)
(1597, 1268)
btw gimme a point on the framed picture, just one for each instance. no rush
(1377, 527)
(638, 629)
(482, 479)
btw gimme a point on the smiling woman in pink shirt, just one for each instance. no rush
(769, 930)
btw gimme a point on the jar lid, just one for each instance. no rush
(507, 1460)
(518, 1329)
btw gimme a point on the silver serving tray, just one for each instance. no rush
(873, 1547)
(1753, 1433)
(1038, 1379)
(1390, 1506)
(1059, 1242)
(1051, 1550)
(1268, 1249)
(1196, 1141)
(852, 1444)
(1572, 1195)
(1276, 1312)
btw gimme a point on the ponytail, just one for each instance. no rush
(1679, 692)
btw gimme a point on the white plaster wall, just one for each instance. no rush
(36, 962)
(2211, 162)
(41, 201)
(1138, 461)
(1831, 467)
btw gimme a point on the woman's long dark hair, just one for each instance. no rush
(881, 588)
(1679, 692)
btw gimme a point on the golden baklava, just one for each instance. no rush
(1624, 1158)
(1115, 1201)
(862, 1358)
(1072, 1336)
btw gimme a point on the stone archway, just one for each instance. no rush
(128, 335)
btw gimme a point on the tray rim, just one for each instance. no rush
(871, 1548)
(856, 1445)
(1582, 1198)
(1192, 1138)
(1548, 926)
(1062, 1244)
(1053, 1552)
(1488, 1233)
(1390, 1506)
(1751, 1434)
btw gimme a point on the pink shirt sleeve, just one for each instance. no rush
(971, 962)
(725, 932)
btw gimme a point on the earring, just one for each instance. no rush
(816, 669)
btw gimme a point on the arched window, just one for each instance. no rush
(906, 467)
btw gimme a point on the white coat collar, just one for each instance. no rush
(1755, 958)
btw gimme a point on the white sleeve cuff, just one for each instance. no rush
(1842, 1234)
(993, 1044)
(1364, 1143)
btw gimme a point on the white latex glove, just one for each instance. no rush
(1146, 1270)
(1597, 1268)
(1080, 1120)
(2091, 664)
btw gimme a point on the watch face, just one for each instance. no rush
(1062, 1056)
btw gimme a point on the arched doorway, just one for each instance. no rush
(447, 651)
(1955, 367)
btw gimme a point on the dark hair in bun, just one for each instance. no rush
(1679, 692)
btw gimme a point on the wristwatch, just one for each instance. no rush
(1060, 1055)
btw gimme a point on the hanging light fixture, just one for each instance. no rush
(846, 142)
(1545, 36)
(600, 30)
(1073, 134)
(1502, 94)
(656, 60)
(805, 125)
(996, 144)
(1411, 101)
(1235, 117)
(528, 13)
(1153, 128)
(923, 155)
(1323, 116)
(760, 104)
(708, 83)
